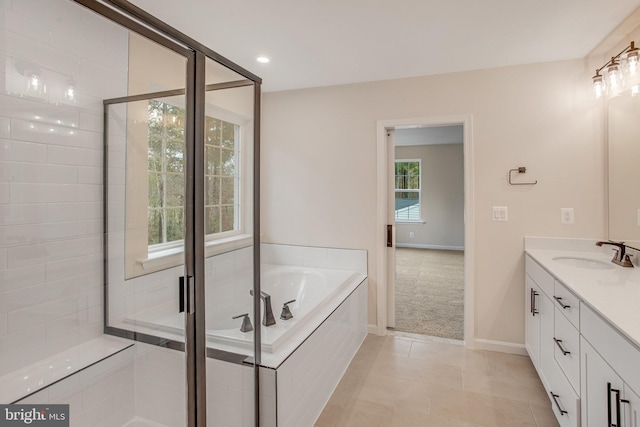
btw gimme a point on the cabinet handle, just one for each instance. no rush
(563, 305)
(609, 409)
(558, 343)
(534, 310)
(555, 400)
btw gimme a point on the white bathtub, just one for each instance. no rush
(317, 291)
(312, 288)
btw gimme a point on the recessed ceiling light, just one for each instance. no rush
(263, 59)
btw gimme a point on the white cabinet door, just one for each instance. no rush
(631, 408)
(539, 331)
(600, 389)
(532, 332)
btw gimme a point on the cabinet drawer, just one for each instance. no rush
(543, 279)
(567, 349)
(564, 400)
(567, 302)
(619, 353)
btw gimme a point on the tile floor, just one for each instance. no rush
(397, 381)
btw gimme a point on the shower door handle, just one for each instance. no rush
(187, 295)
(389, 236)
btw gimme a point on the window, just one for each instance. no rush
(166, 176)
(221, 175)
(407, 190)
(166, 173)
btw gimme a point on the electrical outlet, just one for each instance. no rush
(566, 215)
(411, 234)
(500, 213)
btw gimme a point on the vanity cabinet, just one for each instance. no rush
(590, 370)
(542, 344)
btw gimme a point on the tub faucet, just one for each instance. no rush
(246, 322)
(621, 257)
(267, 318)
(286, 311)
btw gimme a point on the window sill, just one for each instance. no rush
(175, 256)
(405, 222)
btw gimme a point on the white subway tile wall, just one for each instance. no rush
(50, 174)
(101, 395)
(159, 385)
(306, 256)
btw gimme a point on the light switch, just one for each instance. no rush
(500, 213)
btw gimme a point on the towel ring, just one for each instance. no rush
(521, 169)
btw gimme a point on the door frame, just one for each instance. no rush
(382, 307)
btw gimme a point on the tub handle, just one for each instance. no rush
(286, 311)
(246, 322)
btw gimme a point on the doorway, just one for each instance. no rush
(428, 286)
(428, 209)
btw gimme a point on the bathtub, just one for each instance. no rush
(317, 293)
(313, 290)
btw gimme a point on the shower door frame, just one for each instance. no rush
(195, 348)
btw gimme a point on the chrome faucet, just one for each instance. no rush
(620, 257)
(246, 322)
(267, 318)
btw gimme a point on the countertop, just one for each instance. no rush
(613, 293)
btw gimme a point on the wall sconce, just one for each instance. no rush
(620, 73)
(35, 83)
(43, 83)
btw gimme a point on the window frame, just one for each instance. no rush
(419, 191)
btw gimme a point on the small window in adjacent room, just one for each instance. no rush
(407, 189)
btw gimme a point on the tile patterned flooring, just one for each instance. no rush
(396, 381)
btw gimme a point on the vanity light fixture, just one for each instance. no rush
(70, 91)
(620, 73)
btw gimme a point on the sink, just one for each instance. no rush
(587, 263)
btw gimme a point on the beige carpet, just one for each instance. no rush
(430, 292)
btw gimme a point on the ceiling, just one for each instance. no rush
(327, 42)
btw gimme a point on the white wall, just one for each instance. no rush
(51, 175)
(441, 200)
(319, 168)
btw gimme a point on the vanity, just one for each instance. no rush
(583, 331)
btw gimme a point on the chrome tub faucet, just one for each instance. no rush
(246, 322)
(267, 318)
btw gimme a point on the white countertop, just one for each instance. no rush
(613, 293)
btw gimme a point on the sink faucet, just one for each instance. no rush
(267, 318)
(621, 257)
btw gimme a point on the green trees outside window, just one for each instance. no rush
(407, 189)
(166, 174)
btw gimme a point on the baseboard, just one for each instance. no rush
(421, 246)
(372, 329)
(500, 346)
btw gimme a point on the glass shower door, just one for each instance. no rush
(232, 324)
(146, 226)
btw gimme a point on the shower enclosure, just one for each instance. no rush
(128, 210)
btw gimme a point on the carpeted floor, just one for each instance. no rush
(430, 292)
